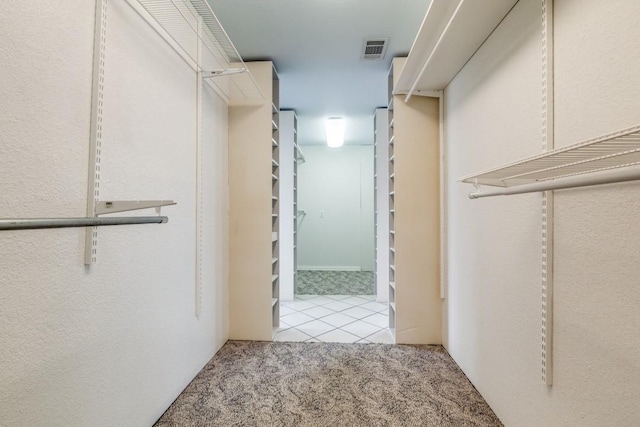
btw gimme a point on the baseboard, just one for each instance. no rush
(329, 268)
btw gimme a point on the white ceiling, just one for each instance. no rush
(316, 46)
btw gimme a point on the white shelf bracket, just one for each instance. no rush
(221, 72)
(109, 207)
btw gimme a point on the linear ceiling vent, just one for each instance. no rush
(374, 48)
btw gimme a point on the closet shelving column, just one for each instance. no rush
(287, 200)
(275, 192)
(375, 201)
(381, 196)
(297, 155)
(392, 211)
(414, 216)
(254, 199)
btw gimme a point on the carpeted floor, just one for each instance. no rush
(252, 383)
(314, 282)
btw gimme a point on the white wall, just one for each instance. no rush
(115, 343)
(492, 313)
(338, 182)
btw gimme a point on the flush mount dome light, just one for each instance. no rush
(335, 132)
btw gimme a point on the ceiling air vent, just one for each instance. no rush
(374, 48)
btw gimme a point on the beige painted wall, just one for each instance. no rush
(492, 318)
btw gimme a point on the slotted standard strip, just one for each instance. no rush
(615, 150)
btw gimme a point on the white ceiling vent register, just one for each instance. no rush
(374, 48)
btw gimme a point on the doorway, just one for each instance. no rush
(335, 292)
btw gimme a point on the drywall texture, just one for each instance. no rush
(115, 343)
(335, 189)
(493, 115)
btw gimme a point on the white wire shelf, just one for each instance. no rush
(194, 28)
(450, 34)
(612, 151)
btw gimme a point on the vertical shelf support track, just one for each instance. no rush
(547, 197)
(199, 94)
(95, 137)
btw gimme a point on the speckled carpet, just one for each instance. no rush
(328, 384)
(315, 282)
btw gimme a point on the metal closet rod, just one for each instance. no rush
(39, 223)
(595, 178)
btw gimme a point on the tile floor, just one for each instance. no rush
(334, 318)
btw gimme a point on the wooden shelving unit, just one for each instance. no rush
(254, 198)
(297, 157)
(275, 191)
(381, 203)
(288, 199)
(391, 205)
(414, 216)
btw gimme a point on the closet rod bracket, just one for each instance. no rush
(222, 72)
(108, 207)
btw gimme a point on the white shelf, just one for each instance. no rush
(274, 277)
(392, 285)
(274, 163)
(274, 301)
(208, 49)
(274, 236)
(611, 151)
(450, 34)
(393, 306)
(274, 143)
(274, 126)
(392, 158)
(274, 177)
(392, 140)
(274, 260)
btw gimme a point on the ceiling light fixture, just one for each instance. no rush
(335, 132)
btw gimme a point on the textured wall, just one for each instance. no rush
(338, 182)
(113, 344)
(493, 115)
